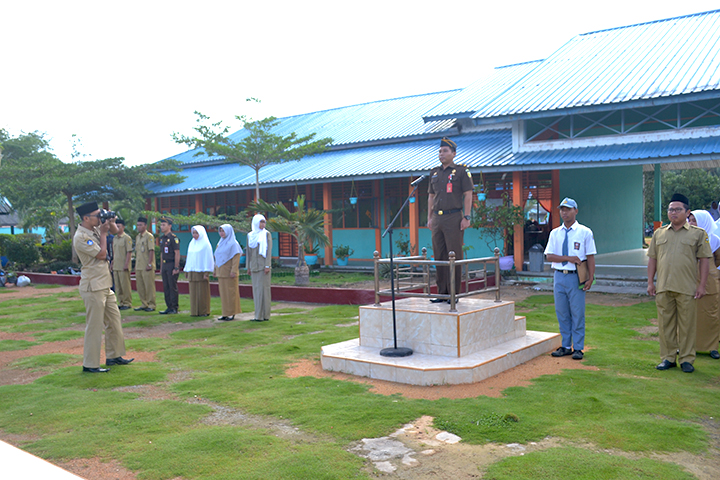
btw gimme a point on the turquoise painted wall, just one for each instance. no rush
(610, 202)
(362, 240)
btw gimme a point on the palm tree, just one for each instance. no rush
(305, 225)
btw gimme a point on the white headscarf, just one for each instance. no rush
(705, 221)
(199, 253)
(227, 247)
(258, 236)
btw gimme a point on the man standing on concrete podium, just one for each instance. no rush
(449, 207)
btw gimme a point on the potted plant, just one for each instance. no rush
(496, 223)
(311, 253)
(342, 252)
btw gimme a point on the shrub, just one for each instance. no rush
(60, 252)
(23, 249)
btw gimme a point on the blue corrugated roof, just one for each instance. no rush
(482, 151)
(469, 100)
(655, 151)
(381, 120)
(664, 58)
(390, 160)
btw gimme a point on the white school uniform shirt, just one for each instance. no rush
(581, 243)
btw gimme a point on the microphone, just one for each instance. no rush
(417, 181)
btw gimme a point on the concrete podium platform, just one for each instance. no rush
(480, 340)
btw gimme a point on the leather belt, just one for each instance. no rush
(566, 271)
(448, 212)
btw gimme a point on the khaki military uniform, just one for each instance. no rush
(122, 245)
(256, 264)
(448, 185)
(101, 309)
(144, 278)
(677, 253)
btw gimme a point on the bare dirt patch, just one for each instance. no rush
(32, 291)
(519, 376)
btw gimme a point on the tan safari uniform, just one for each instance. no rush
(101, 309)
(677, 253)
(145, 279)
(122, 244)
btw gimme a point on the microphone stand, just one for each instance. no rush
(395, 351)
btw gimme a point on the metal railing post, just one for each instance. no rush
(451, 258)
(376, 257)
(497, 274)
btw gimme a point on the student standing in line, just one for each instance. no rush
(259, 249)
(199, 264)
(227, 265)
(708, 307)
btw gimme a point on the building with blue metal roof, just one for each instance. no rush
(584, 122)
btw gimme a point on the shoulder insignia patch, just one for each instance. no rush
(177, 240)
(469, 174)
(89, 242)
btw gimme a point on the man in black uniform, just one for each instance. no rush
(170, 270)
(449, 207)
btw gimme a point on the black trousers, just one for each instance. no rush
(170, 287)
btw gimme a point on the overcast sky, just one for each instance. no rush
(123, 76)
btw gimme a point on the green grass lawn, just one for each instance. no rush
(626, 405)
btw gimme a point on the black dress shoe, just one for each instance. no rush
(561, 352)
(437, 300)
(456, 301)
(687, 367)
(95, 370)
(124, 307)
(256, 320)
(165, 312)
(226, 319)
(148, 309)
(266, 319)
(666, 364)
(140, 309)
(577, 355)
(117, 361)
(714, 354)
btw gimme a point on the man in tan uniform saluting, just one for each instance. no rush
(101, 309)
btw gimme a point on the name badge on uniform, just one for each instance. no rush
(166, 249)
(577, 245)
(142, 248)
(449, 187)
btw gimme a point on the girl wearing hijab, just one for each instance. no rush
(227, 264)
(198, 266)
(259, 254)
(708, 307)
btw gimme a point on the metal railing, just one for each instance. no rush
(413, 273)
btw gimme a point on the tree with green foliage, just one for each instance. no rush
(496, 222)
(702, 187)
(255, 146)
(33, 177)
(305, 225)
